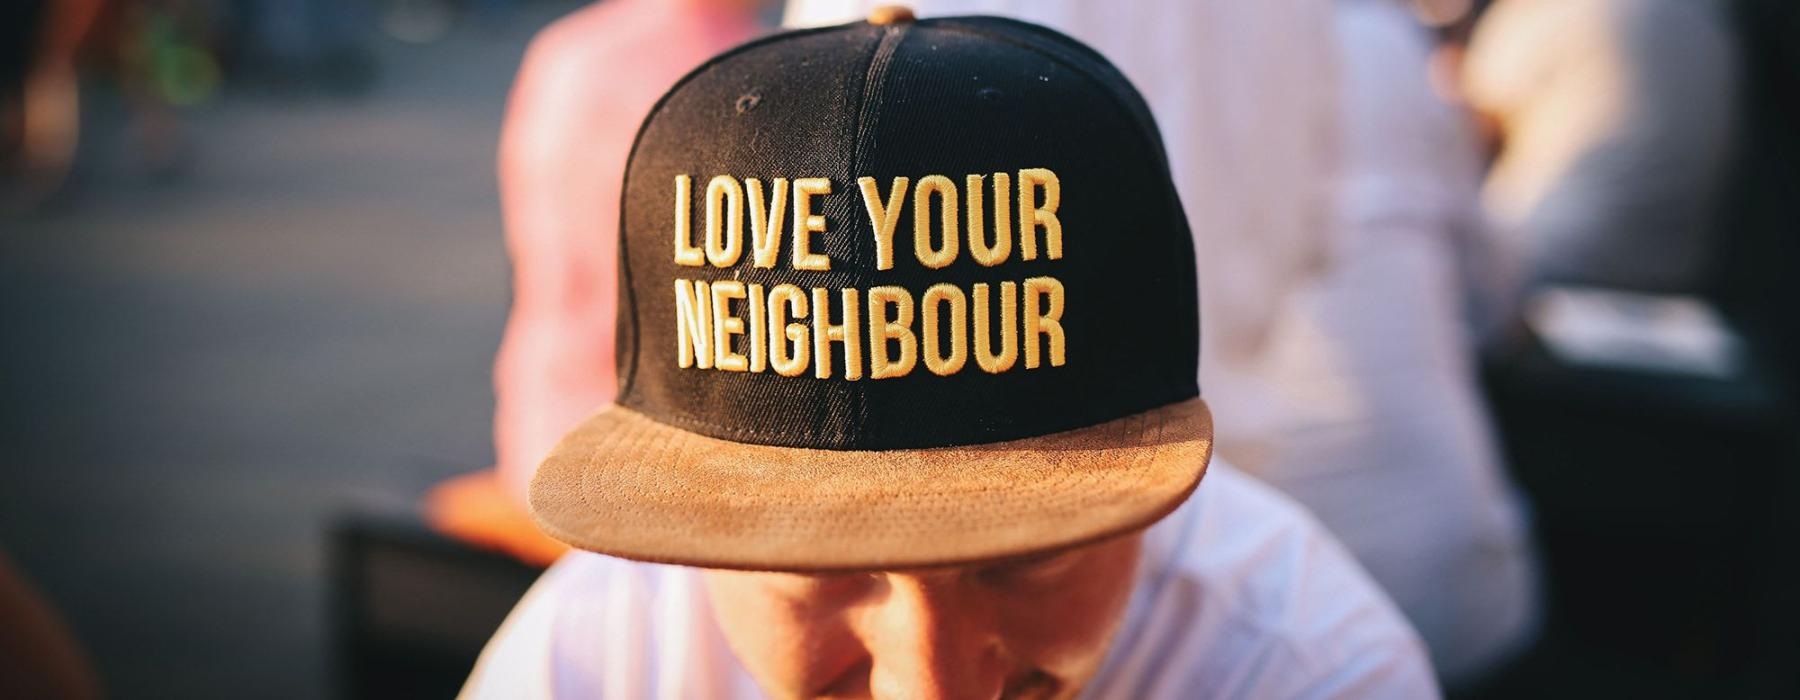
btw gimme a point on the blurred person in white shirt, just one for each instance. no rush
(1613, 121)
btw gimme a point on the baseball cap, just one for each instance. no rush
(898, 293)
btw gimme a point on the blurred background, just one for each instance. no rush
(253, 279)
(266, 292)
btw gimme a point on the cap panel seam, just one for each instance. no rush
(1084, 61)
(868, 116)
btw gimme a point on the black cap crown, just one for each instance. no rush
(944, 232)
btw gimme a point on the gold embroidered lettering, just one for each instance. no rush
(1009, 329)
(1045, 322)
(884, 217)
(735, 326)
(725, 324)
(978, 247)
(693, 325)
(759, 330)
(807, 223)
(939, 257)
(765, 226)
(936, 295)
(883, 329)
(787, 300)
(686, 253)
(824, 334)
(1032, 215)
(724, 235)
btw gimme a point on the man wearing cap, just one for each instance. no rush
(907, 407)
(1329, 191)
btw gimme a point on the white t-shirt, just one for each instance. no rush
(1240, 595)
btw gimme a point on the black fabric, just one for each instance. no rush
(953, 97)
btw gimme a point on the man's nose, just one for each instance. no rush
(934, 637)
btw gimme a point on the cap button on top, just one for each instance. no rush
(890, 14)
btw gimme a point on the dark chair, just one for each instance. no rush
(413, 608)
(1661, 508)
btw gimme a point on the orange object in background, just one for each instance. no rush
(39, 657)
(586, 83)
(475, 509)
(40, 99)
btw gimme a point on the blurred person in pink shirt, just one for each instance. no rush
(585, 85)
(40, 105)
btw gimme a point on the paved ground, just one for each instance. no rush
(196, 375)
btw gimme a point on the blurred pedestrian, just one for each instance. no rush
(586, 83)
(40, 99)
(1612, 122)
(1328, 191)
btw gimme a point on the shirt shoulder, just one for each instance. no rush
(516, 661)
(1244, 595)
(595, 627)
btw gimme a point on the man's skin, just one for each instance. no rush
(1036, 627)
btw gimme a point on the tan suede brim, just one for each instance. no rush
(625, 485)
